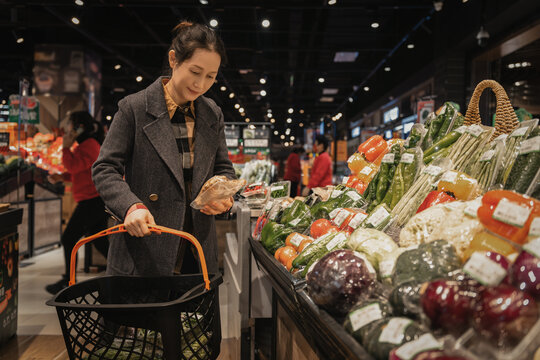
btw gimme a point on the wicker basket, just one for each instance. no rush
(505, 117)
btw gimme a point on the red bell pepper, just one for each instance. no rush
(434, 198)
(373, 147)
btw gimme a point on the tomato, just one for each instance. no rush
(321, 227)
(278, 253)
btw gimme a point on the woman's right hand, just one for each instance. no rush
(137, 221)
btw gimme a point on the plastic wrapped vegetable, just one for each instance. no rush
(297, 216)
(339, 280)
(404, 176)
(386, 174)
(418, 131)
(448, 113)
(364, 315)
(463, 186)
(434, 198)
(388, 263)
(273, 236)
(280, 189)
(375, 244)
(316, 250)
(526, 165)
(378, 219)
(513, 143)
(427, 262)
(489, 165)
(525, 271)
(217, 188)
(469, 145)
(373, 147)
(440, 145)
(348, 219)
(405, 298)
(485, 241)
(348, 198)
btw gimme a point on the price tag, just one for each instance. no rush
(363, 316)
(388, 158)
(336, 193)
(231, 142)
(394, 332)
(345, 180)
(269, 205)
(519, 132)
(336, 241)
(340, 217)
(511, 213)
(295, 221)
(407, 158)
(432, 170)
(357, 220)
(530, 145)
(407, 142)
(366, 170)
(425, 342)
(277, 188)
(334, 213)
(461, 129)
(472, 208)
(475, 130)
(488, 155)
(353, 195)
(533, 247)
(450, 176)
(534, 230)
(296, 240)
(501, 137)
(378, 217)
(484, 270)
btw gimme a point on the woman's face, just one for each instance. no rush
(195, 75)
(319, 148)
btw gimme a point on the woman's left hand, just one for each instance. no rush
(218, 207)
(68, 139)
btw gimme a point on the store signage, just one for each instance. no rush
(28, 110)
(342, 150)
(355, 132)
(232, 142)
(232, 132)
(423, 109)
(256, 143)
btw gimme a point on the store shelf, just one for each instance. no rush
(12, 183)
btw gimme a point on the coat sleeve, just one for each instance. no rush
(108, 170)
(223, 165)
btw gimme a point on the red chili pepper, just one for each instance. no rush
(434, 198)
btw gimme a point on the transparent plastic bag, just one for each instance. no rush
(280, 189)
(217, 188)
(255, 194)
(488, 166)
(416, 136)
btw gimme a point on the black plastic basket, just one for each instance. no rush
(132, 317)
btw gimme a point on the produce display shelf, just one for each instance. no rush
(12, 183)
(320, 329)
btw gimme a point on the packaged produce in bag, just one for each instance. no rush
(262, 220)
(280, 189)
(489, 165)
(273, 236)
(364, 315)
(485, 241)
(348, 219)
(354, 182)
(440, 126)
(526, 164)
(373, 147)
(416, 136)
(375, 244)
(410, 165)
(255, 194)
(217, 188)
(348, 198)
(525, 273)
(436, 197)
(378, 219)
(534, 188)
(468, 147)
(461, 185)
(441, 148)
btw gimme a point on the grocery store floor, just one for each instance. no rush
(39, 336)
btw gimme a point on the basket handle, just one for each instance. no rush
(154, 229)
(505, 118)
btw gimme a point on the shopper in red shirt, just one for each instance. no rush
(293, 169)
(321, 172)
(89, 216)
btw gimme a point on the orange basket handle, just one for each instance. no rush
(154, 229)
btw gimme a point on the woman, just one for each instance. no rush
(321, 172)
(89, 216)
(293, 169)
(163, 144)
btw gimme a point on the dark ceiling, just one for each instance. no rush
(297, 49)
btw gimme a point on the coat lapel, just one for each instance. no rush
(160, 132)
(206, 142)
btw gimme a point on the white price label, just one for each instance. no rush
(269, 205)
(340, 217)
(394, 332)
(425, 342)
(277, 188)
(533, 247)
(351, 158)
(295, 221)
(386, 267)
(357, 220)
(475, 130)
(535, 227)
(334, 213)
(366, 170)
(501, 137)
(345, 180)
(296, 240)
(336, 193)
(488, 155)
(322, 238)
(511, 213)
(461, 129)
(353, 195)
(530, 145)
(519, 132)
(361, 317)
(378, 217)
(407, 158)
(432, 170)
(389, 158)
(484, 270)
(449, 176)
(256, 143)
(472, 208)
(231, 142)
(336, 241)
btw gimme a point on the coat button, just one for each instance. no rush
(153, 197)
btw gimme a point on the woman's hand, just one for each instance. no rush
(137, 222)
(218, 206)
(68, 139)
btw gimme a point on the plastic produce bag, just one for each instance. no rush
(463, 186)
(255, 195)
(526, 165)
(217, 188)
(513, 144)
(416, 136)
(375, 244)
(488, 167)
(280, 189)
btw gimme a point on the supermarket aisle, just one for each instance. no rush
(39, 336)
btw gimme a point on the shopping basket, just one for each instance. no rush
(132, 317)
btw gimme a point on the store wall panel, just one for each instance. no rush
(47, 229)
(291, 344)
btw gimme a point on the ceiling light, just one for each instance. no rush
(282, 137)
(345, 56)
(108, 117)
(290, 111)
(438, 4)
(243, 113)
(117, 67)
(262, 81)
(366, 88)
(269, 110)
(517, 65)
(301, 124)
(387, 68)
(223, 88)
(330, 91)
(326, 99)
(231, 95)
(292, 138)
(464, 1)
(375, 25)
(289, 120)
(75, 20)
(272, 120)
(204, 2)
(301, 111)
(241, 110)
(524, 64)
(276, 132)
(79, 2)
(332, 2)
(213, 23)
(248, 119)
(3, 102)
(410, 46)
(321, 80)
(265, 23)
(237, 106)
(351, 99)
(139, 78)
(286, 144)
(288, 132)
(20, 40)
(263, 92)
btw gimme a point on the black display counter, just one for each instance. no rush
(326, 337)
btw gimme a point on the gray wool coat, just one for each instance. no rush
(139, 159)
